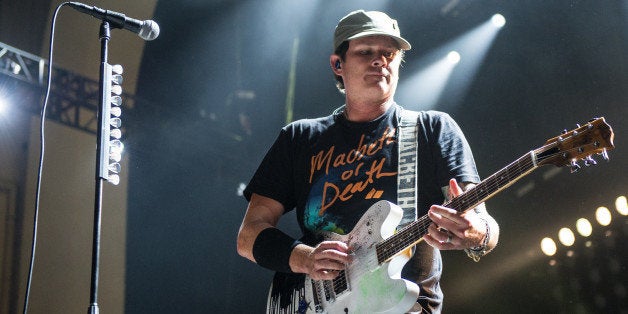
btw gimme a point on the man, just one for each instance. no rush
(332, 169)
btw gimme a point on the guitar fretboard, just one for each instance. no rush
(413, 232)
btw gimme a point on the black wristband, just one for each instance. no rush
(272, 249)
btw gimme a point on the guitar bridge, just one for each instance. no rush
(326, 291)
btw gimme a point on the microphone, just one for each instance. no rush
(147, 30)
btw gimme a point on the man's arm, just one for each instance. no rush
(320, 262)
(262, 213)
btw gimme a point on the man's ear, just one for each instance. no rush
(336, 64)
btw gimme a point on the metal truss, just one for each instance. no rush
(73, 98)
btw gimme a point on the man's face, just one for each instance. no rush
(371, 68)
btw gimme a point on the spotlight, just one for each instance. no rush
(566, 237)
(603, 216)
(453, 57)
(584, 228)
(498, 20)
(241, 188)
(621, 205)
(548, 246)
(15, 68)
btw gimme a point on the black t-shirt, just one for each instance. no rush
(332, 170)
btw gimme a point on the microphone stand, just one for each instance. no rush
(104, 36)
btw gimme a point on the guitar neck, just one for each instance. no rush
(494, 184)
(413, 232)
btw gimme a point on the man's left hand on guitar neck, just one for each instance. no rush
(453, 230)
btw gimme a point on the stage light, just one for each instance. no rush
(116, 101)
(116, 146)
(548, 246)
(117, 71)
(603, 216)
(15, 68)
(115, 157)
(117, 79)
(584, 228)
(621, 205)
(114, 179)
(498, 20)
(115, 122)
(112, 147)
(116, 89)
(453, 57)
(566, 237)
(241, 188)
(115, 134)
(116, 111)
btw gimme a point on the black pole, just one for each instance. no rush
(105, 35)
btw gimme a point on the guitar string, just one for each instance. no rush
(494, 183)
(501, 179)
(408, 235)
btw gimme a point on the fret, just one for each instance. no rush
(413, 232)
(491, 185)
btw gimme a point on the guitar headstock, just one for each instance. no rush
(595, 137)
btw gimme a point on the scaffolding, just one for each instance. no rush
(73, 98)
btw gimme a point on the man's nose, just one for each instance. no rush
(380, 60)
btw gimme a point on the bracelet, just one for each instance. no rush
(478, 251)
(272, 249)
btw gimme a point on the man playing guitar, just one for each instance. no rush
(332, 169)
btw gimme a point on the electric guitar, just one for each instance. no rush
(372, 282)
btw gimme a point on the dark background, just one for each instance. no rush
(554, 64)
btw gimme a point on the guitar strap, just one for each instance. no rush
(407, 167)
(287, 293)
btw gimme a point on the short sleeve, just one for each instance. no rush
(274, 177)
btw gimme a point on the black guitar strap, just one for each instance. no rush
(407, 167)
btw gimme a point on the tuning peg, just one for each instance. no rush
(574, 166)
(604, 154)
(588, 161)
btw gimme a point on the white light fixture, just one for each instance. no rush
(498, 20)
(548, 246)
(453, 57)
(584, 228)
(566, 237)
(603, 216)
(113, 147)
(621, 205)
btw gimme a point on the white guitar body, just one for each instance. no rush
(366, 286)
